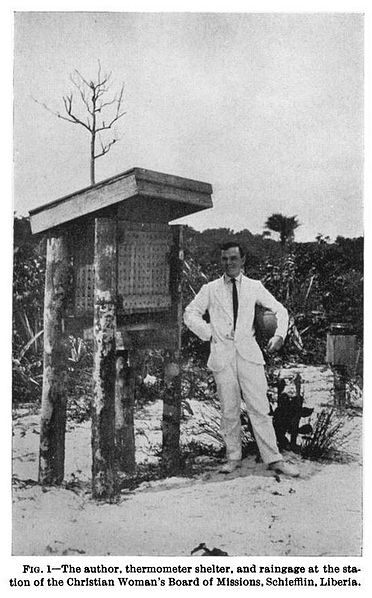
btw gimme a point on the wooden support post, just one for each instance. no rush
(297, 413)
(124, 412)
(53, 402)
(172, 374)
(340, 378)
(103, 416)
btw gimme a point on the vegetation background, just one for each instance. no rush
(320, 282)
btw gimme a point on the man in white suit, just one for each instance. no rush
(235, 357)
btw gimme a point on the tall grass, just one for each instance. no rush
(329, 436)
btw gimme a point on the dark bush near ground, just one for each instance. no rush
(329, 436)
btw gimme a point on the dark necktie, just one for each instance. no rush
(235, 300)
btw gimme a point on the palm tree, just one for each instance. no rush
(284, 225)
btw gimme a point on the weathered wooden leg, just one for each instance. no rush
(171, 414)
(103, 412)
(124, 412)
(340, 377)
(53, 402)
(172, 375)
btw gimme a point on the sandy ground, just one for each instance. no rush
(249, 512)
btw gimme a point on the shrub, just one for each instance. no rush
(329, 436)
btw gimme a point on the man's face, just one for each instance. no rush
(232, 262)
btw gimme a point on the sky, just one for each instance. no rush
(268, 108)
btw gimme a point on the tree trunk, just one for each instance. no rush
(92, 159)
(172, 374)
(171, 413)
(103, 416)
(124, 413)
(53, 402)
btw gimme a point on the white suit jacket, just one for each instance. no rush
(213, 297)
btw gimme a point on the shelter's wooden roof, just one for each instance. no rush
(165, 197)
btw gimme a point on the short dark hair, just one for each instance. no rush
(230, 244)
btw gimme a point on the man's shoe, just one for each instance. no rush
(230, 466)
(284, 468)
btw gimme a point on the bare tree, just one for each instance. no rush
(93, 111)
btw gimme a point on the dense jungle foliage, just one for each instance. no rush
(319, 282)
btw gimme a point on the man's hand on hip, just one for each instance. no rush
(275, 343)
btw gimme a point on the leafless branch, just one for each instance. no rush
(101, 106)
(104, 127)
(82, 78)
(82, 95)
(105, 80)
(120, 99)
(100, 92)
(86, 103)
(72, 118)
(46, 107)
(106, 77)
(105, 148)
(99, 87)
(116, 100)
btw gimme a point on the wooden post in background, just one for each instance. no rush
(340, 379)
(124, 411)
(172, 374)
(104, 366)
(53, 402)
(341, 352)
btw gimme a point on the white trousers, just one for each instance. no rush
(243, 378)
